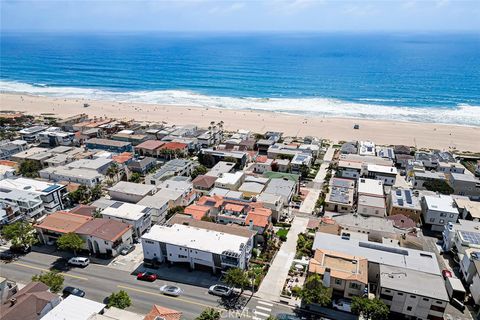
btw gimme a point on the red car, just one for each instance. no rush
(446, 273)
(147, 276)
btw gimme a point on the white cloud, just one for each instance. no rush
(226, 9)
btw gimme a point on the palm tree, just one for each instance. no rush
(113, 170)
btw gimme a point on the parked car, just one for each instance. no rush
(220, 290)
(446, 273)
(342, 305)
(7, 255)
(170, 290)
(356, 126)
(147, 276)
(79, 261)
(73, 291)
(127, 249)
(21, 249)
(286, 316)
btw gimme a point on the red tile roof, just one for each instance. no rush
(84, 210)
(106, 229)
(122, 157)
(234, 207)
(203, 181)
(63, 222)
(151, 144)
(259, 216)
(165, 313)
(174, 146)
(261, 159)
(197, 211)
(402, 222)
(8, 163)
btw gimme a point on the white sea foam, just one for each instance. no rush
(463, 114)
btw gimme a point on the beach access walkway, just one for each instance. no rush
(272, 284)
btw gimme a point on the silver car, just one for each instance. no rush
(170, 290)
(220, 290)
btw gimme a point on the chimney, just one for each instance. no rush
(250, 224)
(13, 301)
(326, 278)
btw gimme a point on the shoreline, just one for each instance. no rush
(420, 134)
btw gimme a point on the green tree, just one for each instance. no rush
(172, 211)
(135, 177)
(53, 279)
(304, 171)
(237, 278)
(113, 170)
(208, 219)
(119, 300)
(370, 309)
(199, 171)
(313, 291)
(96, 192)
(209, 314)
(81, 195)
(30, 168)
(438, 186)
(70, 241)
(20, 233)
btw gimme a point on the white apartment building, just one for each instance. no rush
(86, 177)
(371, 199)
(438, 211)
(412, 293)
(139, 217)
(195, 246)
(230, 181)
(385, 174)
(29, 203)
(366, 148)
(131, 192)
(53, 195)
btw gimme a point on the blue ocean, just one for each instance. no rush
(412, 77)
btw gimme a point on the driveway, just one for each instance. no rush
(272, 284)
(129, 262)
(318, 181)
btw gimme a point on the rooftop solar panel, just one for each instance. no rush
(408, 196)
(471, 237)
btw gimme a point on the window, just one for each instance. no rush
(443, 214)
(338, 281)
(149, 241)
(426, 299)
(452, 215)
(400, 293)
(432, 220)
(412, 296)
(442, 221)
(182, 256)
(437, 308)
(409, 308)
(386, 297)
(354, 285)
(388, 291)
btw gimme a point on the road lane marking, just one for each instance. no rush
(46, 270)
(265, 303)
(168, 297)
(263, 308)
(258, 313)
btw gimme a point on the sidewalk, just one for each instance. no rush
(318, 181)
(272, 285)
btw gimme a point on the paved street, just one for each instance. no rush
(100, 281)
(327, 158)
(272, 285)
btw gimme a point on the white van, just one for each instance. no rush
(79, 261)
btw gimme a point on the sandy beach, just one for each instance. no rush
(421, 135)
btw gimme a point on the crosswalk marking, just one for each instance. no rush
(265, 303)
(264, 308)
(261, 313)
(256, 318)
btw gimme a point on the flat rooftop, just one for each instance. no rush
(413, 282)
(422, 261)
(196, 238)
(442, 203)
(32, 185)
(133, 188)
(126, 211)
(370, 187)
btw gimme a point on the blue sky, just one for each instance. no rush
(241, 16)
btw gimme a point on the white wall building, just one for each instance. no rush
(438, 211)
(136, 215)
(185, 244)
(86, 177)
(131, 192)
(53, 195)
(230, 181)
(29, 203)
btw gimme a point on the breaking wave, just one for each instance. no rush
(462, 114)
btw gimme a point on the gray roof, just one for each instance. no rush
(379, 253)
(133, 188)
(281, 187)
(413, 282)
